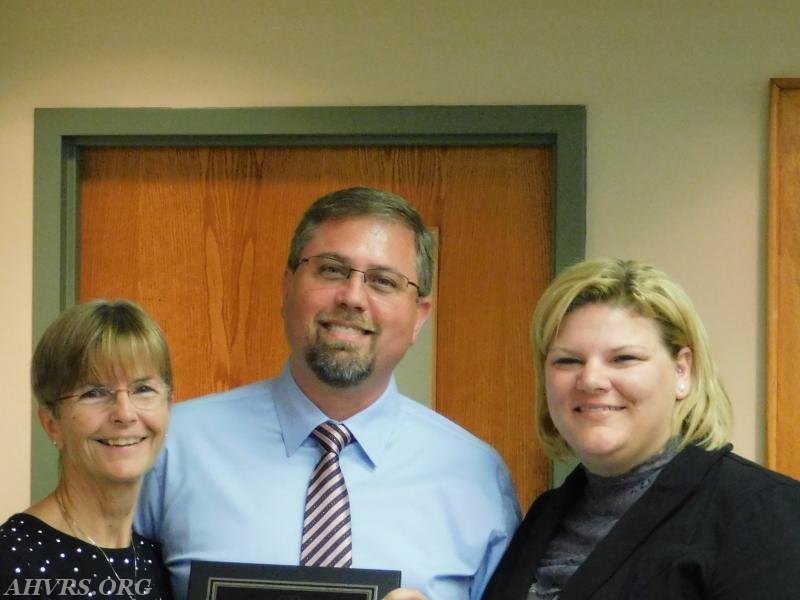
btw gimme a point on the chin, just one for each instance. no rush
(598, 454)
(129, 479)
(126, 473)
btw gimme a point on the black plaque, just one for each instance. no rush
(212, 580)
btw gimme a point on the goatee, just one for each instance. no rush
(338, 365)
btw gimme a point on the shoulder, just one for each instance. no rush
(752, 515)
(241, 394)
(12, 536)
(432, 428)
(20, 527)
(738, 485)
(231, 404)
(148, 553)
(227, 418)
(221, 416)
(148, 549)
(745, 476)
(145, 545)
(26, 544)
(455, 463)
(10, 527)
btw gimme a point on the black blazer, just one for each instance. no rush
(712, 525)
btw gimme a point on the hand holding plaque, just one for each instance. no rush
(405, 594)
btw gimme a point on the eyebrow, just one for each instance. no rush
(333, 255)
(614, 349)
(631, 347)
(143, 379)
(340, 258)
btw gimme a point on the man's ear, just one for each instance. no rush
(424, 306)
(286, 284)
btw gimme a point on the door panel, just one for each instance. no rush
(199, 237)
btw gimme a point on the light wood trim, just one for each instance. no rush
(779, 395)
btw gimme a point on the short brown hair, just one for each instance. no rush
(86, 339)
(367, 202)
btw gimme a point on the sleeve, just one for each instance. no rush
(759, 553)
(150, 509)
(9, 582)
(162, 580)
(15, 570)
(507, 520)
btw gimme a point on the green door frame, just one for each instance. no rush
(60, 133)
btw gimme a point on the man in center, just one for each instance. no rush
(419, 494)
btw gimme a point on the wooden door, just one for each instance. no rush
(199, 237)
(783, 338)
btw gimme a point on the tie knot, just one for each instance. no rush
(332, 436)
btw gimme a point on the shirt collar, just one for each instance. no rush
(298, 416)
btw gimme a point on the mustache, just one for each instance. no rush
(349, 317)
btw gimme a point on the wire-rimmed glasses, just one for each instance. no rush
(383, 281)
(144, 395)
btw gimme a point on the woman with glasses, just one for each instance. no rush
(102, 376)
(659, 507)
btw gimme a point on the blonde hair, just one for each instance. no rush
(704, 417)
(87, 340)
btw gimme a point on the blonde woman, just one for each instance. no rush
(659, 507)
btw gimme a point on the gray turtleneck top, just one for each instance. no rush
(604, 501)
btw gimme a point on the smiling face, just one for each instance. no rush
(344, 334)
(113, 442)
(612, 386)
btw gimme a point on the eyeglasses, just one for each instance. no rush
(143, 395)
(383, 281)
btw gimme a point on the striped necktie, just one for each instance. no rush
(326, 521)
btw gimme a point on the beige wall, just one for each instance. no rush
(676, 94)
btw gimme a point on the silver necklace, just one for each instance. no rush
(80, 534)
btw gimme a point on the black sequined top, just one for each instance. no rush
(38, 561)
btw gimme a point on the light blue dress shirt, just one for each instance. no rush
(427, 497)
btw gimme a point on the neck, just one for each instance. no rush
(339, 403)
(103, 517)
